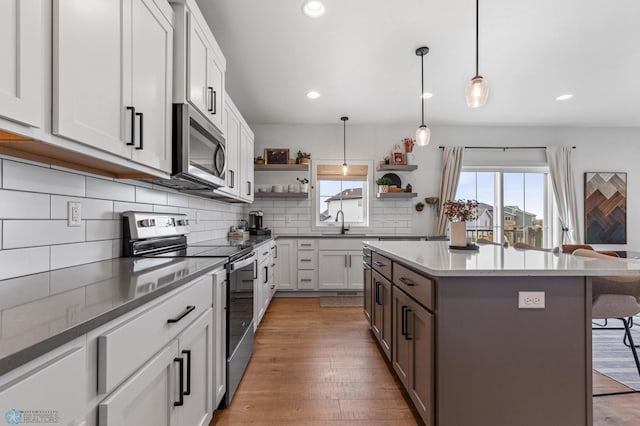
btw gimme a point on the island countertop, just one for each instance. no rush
(437, 259)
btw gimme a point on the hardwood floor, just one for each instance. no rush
(321, 366)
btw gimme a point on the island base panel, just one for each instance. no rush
(501, 365)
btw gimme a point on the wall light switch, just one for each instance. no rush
(531, 299)
(74, 214)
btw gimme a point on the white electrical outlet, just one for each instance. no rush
(531, 299)
(197, 217)
(74, 214)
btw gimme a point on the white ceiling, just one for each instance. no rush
(361, 57)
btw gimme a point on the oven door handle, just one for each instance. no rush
(242, 263)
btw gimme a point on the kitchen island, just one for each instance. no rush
(471, 347)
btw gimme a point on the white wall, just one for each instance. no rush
(598, 149)
(34, 235)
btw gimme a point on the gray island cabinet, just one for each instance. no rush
(470, 347)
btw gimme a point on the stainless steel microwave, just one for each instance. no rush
(199, 161)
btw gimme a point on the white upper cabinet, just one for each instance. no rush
(232, 148)
(22, 53)
(200, 65)
(112, 76)
(152, 78)
(246, 163)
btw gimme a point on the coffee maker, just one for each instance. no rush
(256, 226)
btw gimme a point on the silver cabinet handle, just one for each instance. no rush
(305, 280)
(305, 260)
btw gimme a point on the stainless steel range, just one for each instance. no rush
(165, 235)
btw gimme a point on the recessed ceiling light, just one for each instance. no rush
(427, 95)
(313, 94)
(564, 97)
(313, 8)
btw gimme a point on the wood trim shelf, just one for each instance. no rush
(281, 167)
(281, 195)
(396, 167)
(396, 195)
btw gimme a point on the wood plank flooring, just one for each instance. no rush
(321, 366)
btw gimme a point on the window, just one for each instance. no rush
(524, 204)
(338, 192)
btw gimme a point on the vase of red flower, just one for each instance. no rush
(459, 212)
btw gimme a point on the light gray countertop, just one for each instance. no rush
(437, 259)
(43, 311)
(356, 236)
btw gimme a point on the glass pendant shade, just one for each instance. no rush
(477, 92)
(423, 134)
(344, 169)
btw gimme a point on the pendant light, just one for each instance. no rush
(478, 88)
(423, 134)
(344, 145)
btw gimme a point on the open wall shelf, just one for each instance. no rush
(396, 167)
(396, 195)
(281, 195)
(281, 168)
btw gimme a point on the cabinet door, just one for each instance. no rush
(197, 74)
(258, 306)
(147, 398)
(151, 69)
(88, 74)
(381, 322)
(215, 90)
(232, 150)
(400, 357)
(246, 143)
(22, 72)
(196, 348)
(420, 329)
(354, 272)
(58, 385)
(220, 336)
(332, 269)
(285, 270)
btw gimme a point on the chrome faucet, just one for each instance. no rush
(342, 230)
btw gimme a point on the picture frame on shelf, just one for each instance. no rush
(399, 158)
(276, 155)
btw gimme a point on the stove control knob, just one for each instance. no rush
(183, 222)
(146, 223)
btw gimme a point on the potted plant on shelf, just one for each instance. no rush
(258, 160)
(419, 206)
(459, 212)
(303, 157)
(383, 184)
(304, 184)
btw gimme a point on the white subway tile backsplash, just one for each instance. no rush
(166, 209)
(31, 233)
(109, 190)
(66, 255)
(178, 200)
(24, 205)
(91, 208)
(150, 196)
(103, 229)
(17, 262)
(26, 177)
(119, 207)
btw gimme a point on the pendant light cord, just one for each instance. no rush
(422, 83)
(477, 35)
(344, 141)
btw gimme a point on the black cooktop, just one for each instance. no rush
(231, 252)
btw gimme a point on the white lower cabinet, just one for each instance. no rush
(285, 277)
(52, 386)
(264, 288)
(340, 270)
(149, 397)
(219, 336)
(196, 349)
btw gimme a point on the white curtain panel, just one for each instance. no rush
(564, 189)
(451, 167)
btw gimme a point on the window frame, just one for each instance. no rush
(550, 212)
(368, 191)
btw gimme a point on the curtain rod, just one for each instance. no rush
(504, 148)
